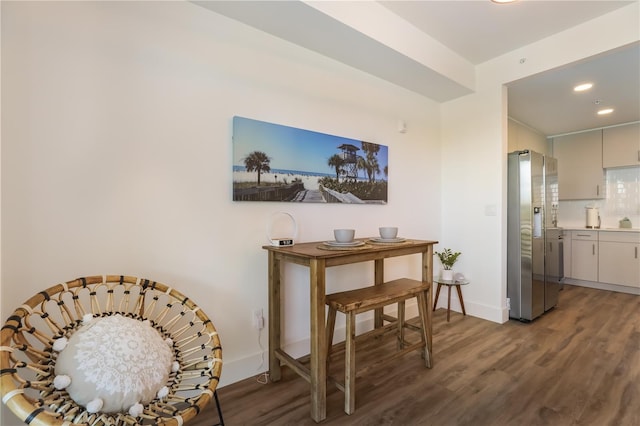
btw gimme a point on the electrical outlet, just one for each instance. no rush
(508, 304)
(258, 319)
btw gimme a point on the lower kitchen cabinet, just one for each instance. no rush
(584, 255)
(619, 259)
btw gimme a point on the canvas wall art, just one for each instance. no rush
(272, 162)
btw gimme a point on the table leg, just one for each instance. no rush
(423, 308)
(435, 302)
(378, 279)
(427, 277)
(448, 302)
(275, 372)
(461, 301)
(318, 356)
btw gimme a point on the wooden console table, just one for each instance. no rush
(318, 259)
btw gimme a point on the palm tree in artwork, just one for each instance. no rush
(361, 164)
(337, 162)
(257, 161)
(372, 166)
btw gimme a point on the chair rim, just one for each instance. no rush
(12, 338)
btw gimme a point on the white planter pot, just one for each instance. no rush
(446, 274)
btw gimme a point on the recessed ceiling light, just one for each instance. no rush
(605, 111)
(503, 1)
(582, 87)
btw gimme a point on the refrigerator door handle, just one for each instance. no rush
(561, 257)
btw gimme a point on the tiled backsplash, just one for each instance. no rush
(622, 200)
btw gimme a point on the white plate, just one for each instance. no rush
(388, 240)
(349, 244)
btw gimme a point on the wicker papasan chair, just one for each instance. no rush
(109, 350)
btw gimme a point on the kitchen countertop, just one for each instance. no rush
(578, 228)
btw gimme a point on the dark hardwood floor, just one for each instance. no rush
(579, 364)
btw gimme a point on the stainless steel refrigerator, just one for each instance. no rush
(535, 268)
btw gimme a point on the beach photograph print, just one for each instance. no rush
(272, 162)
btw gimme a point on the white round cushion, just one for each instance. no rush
(121, 360)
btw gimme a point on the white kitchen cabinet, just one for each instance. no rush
(619, 259)
(580, 172)
(621, 146)
(584, 255)
(521, 137)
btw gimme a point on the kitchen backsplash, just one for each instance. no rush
(622, 200)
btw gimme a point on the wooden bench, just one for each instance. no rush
(353, 302)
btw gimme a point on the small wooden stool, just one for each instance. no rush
(449, 284)
(360, 300)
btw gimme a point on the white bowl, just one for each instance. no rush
(344, 235)
(388, 232)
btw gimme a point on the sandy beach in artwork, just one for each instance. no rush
(310, 181)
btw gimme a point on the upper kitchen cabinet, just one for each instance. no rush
(521, 138)
(580, 172)
(621, 146)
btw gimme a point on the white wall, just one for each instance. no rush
(116, 157)
(474, 145)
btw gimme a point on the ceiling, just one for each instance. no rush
(547, 102)
(465, 34)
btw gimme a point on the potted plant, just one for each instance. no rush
(447, 258)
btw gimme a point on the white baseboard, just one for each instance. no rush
(479, 310)
(603, 286)
(243, 368)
